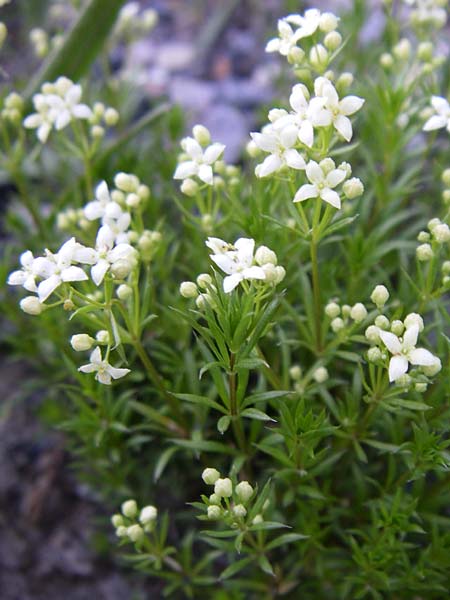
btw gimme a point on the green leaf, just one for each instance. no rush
(235, 567)
(410, 404)
(202, 400)
(223, 423)
(264, 396)
(250, 363)
(254, 413)
(265, 565)
(81, 46)
(163, 461)
(286, 538)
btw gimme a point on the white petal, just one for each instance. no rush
(294, 159)
(410, 337)
(297, 99)
(17, 278)
(48, 286)
(104, 377)
(266, 141)
(344, 126)
(306, 134)
(124, 251)
(305, 192)
(230, 282)
(254, 273)
(335, 177)
(73, 274)
(205, 173)
(86, 256)
(288, 136)
(269, 165)
(93, 210)
(350, 104)
(212, 153)
(273, 45)
(33, 121)
(89, 368)
(440, 105)
(435, 122)
(331, 197)
(391, 342)
(226, 262)
(30, 284)
(398, 365)
(43, 132)
(105, 238)
(314, 173)
(62, 120)
(82, 111)
(192, 147)
(117, 373)
(96, 356)
(99, 270)
(186, 169)
(422, 357)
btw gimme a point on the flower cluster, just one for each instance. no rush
(437, 235)
(440, 117)
(229, 502)
(305, 28)
(394, 343)
(341, 316)
(132, 524)
(239, 262)
(199, 159)
(133, 23)
(56, 106)
(428, 12)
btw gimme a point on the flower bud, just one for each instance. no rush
(81, 342)
(68, 305)
(420, 387)
(332, 310)
(214, 512)
(124, 292)
(432, 370)
(346, 310)
(239, 511)
(244, 491)
(404, 381)
(446, 196)
(424, 252)
(295, 372)
(327, 165)
(189, 187)
(441, 233)
(125, 182)
(414, 319)
(320, 374)
(446, 267)
(252, 149)
(358, 312)
(432, 223)
(380, 295)
(372, 334)
(425, 51)
(318, 57)
(129, 509)
(328, 22)
(296, 56)
(111, 117)
(102, 336)
(374, 354)
(201, 134)
(31, 305)
(133, 200)
(121, 531)
(386, 60)
(402, 50)
(223, 487)
(210, 476)
(332, 40)
(117, 521)
(397, 327)
(97, 131)
(382, 322)
(121, 268)
(148, 514)
(423, 236)
(204, 281)
(264, 255)
(280, 274)
(3, 33)
(353, 188)
(257, 520)
(188, 289)
(344, 81)
(135, 533)
(337, 324)
(446, 177)
(215, 499)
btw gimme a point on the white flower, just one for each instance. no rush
(26, 276)
(201, 160)
(102, 369)
(308, 23)
(442, 116)
(238, 264)
(103, 205)
(404, 351)
(339, 110)
(57, 268)
(56, 106)
(321, 185)
(105, 255)
(218, 246)
(305, 116)
(286, 40)
(279, 144)
(119, 226)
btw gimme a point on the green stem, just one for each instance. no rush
(236, 421)
(316, 293)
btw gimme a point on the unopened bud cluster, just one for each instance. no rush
(341, 316)
(132, 523)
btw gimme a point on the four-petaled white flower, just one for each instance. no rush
(280, 146)
(238, 264)
(119, 226)
(338, 110)
(404, 351)
(286, 40)
(56, 106)
(103, 205)
(321, 185)
(105, 254)
(26, 276)
(305, 116)
(57, 268)
(442, 116)
(201, 160)
(104, 372)
(307, 24)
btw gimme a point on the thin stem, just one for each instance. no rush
(316, 293)
(236, 421)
